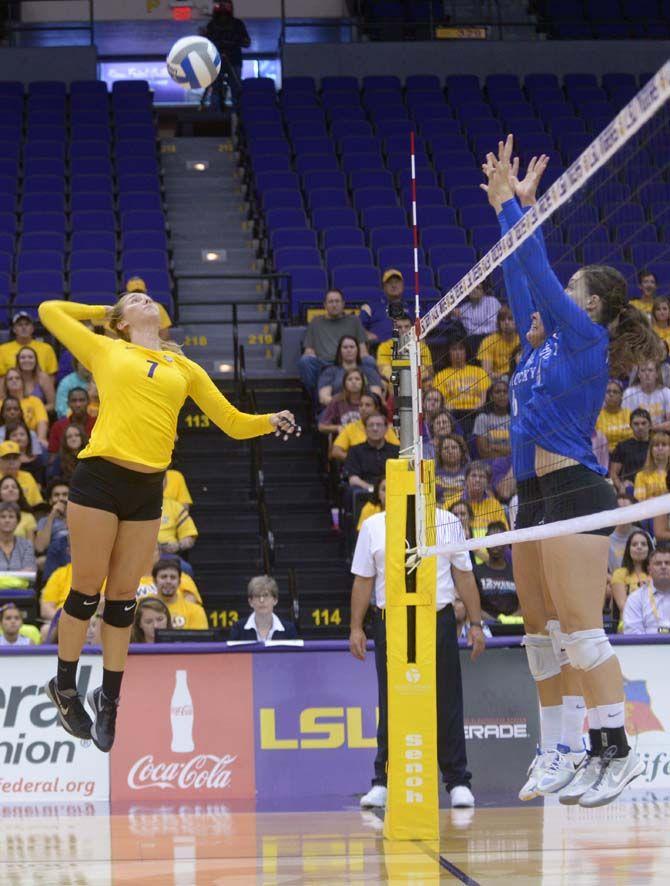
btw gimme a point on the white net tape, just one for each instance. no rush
(643, 510)
(634, 115)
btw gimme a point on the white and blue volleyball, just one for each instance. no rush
(194, 62)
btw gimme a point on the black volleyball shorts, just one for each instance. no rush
(131, 495)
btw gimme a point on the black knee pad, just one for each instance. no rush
(119, 613)
(81, 606)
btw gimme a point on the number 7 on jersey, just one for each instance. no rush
(152, 364)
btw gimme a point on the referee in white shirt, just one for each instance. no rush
(454, 575)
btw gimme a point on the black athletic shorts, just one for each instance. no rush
(131, 495)
(576, 492)
(531, 504)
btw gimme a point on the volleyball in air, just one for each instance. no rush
(194, 62)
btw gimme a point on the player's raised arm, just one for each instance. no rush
(239, 425)
(64, 320)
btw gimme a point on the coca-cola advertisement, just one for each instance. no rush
(185, 729)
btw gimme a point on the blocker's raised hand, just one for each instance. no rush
(500, 172)
(526, 189)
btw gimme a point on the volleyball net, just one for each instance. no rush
(607, 205)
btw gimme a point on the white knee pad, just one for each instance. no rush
(588, 649)
(558, 641)
(542, 660)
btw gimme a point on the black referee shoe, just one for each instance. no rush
(71, 711)
(103, 729)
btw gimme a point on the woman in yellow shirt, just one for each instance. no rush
(176, 487)
(463, 386)
(451, 457)
(495, 351)
(485, 507)
(354, 433)
(35, 381)
(34, 411)
(660, 318)
(651, 480)
(11, 491)
(116, 493)
(614, 420)
(634, 569)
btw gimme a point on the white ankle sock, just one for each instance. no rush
(572, 722)
(612, 716)
(550, 726)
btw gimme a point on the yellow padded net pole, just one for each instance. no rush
(412, 810)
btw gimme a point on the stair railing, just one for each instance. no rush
(257, 479)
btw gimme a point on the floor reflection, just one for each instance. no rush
(190, 844)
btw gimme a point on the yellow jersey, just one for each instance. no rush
(26, 524)
(615, 426)
(46, 356)
(644, 306)
(385, 355)
(147, 588)
(176, 523)
(176, 487)
(58, 586)
(631, 579)
(462, 388)
(60, 581)
(649, 484)
(369, 509)
(34, 411)
(663, 333)
(448, 487)
(186, 615)
(29, 487)
(497, 350)
(488, 510)
(354, 433)
(141, 390)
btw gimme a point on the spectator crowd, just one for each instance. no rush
(346, 370)
(49, 404)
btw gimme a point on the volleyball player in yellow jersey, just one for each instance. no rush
(114, 503)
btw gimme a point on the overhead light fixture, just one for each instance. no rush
(214, 255)
(197, 165)
(224, 367)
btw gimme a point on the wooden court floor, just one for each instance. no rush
(625, 843)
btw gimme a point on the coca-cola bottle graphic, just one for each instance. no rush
(181, 716)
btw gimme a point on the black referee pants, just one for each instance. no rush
(451, 755)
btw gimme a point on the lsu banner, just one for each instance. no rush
(38, 759)
(315, 721)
